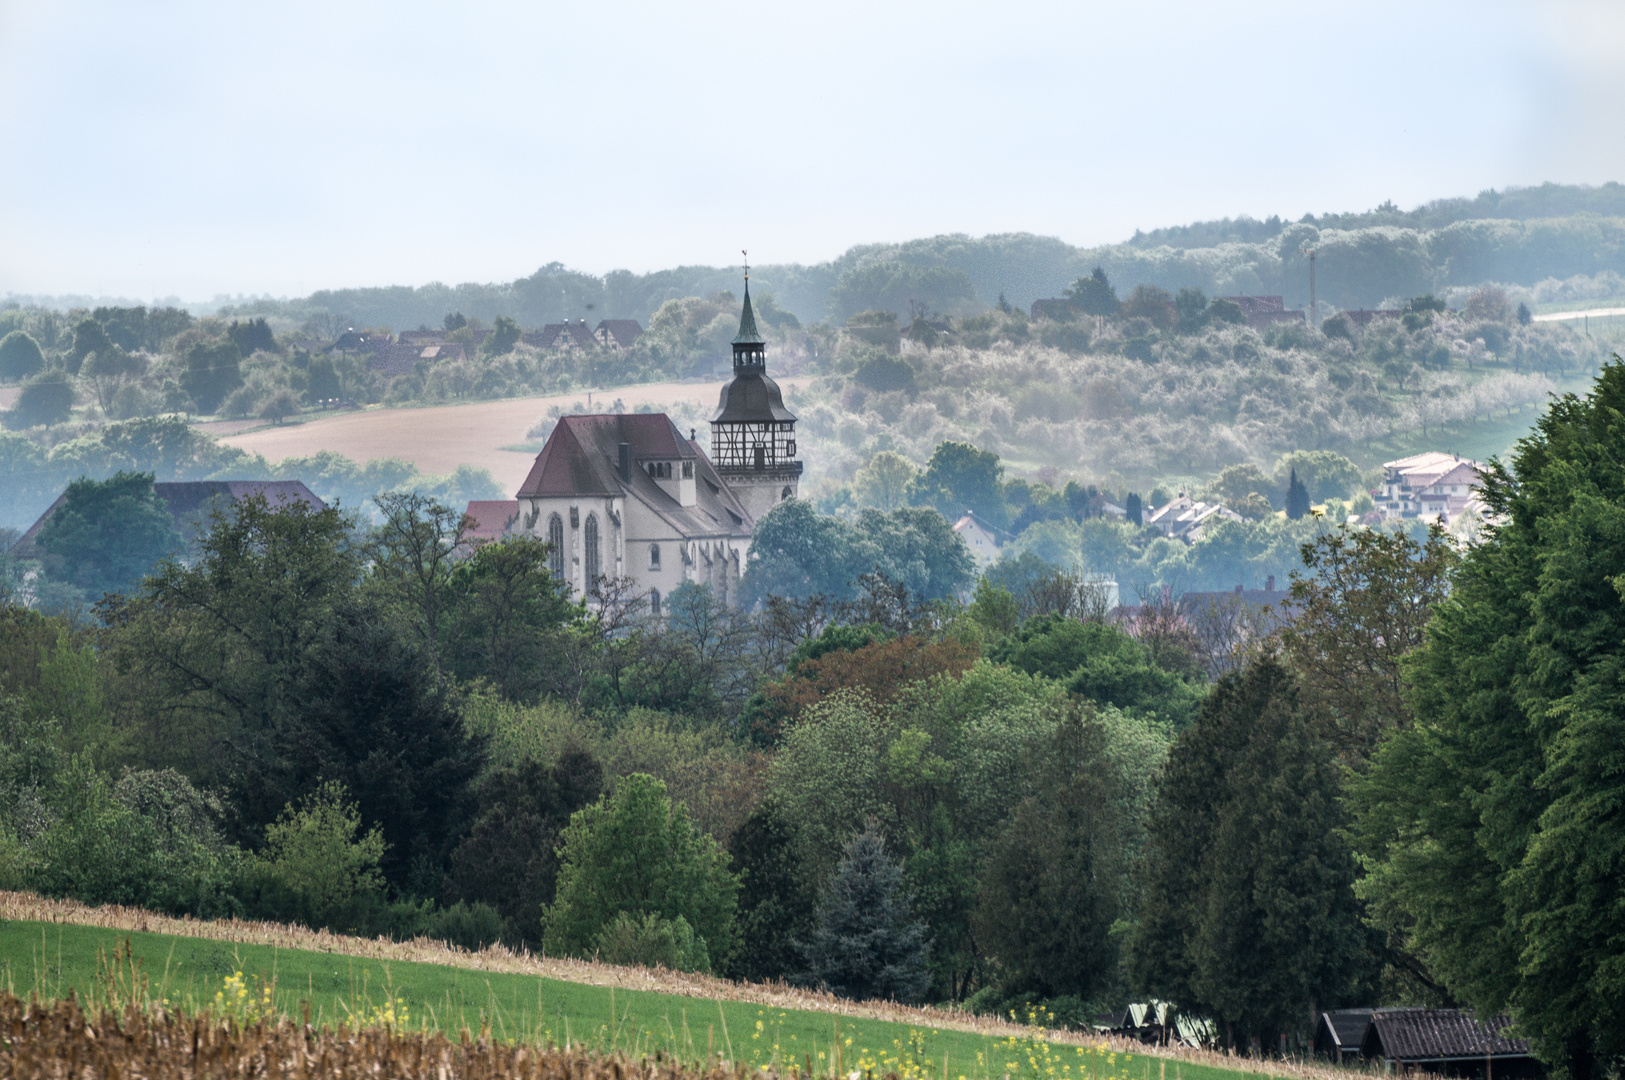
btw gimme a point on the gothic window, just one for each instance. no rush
(555, 540)
(590, 555)
(785, 494)
(654, 602)
(654, 556)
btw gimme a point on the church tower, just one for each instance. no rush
(753, 436)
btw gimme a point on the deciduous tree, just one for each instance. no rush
(637, 853)
(20, 357)
(108, 534)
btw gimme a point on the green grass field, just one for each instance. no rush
(51, 959)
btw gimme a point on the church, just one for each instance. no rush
(628, 496)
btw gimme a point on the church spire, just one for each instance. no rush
(750, 348)
(748, 334)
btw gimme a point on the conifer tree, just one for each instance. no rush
(1297, 497)
(1249, 910)
(867, 943)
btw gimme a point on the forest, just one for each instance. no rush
(1012, 796)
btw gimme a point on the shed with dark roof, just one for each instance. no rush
(1448, 1042)
(1340, 1033)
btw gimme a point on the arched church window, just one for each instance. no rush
(654, 556)
(654, 602)
(590, 554)
(785, 494)
(555, 540)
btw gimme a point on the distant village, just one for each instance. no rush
(400, 355)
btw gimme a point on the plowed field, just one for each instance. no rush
(439, 438)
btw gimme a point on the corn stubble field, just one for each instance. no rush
(110, 991)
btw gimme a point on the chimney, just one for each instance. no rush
(1269, 585)
(1238, 590)
(626, 463)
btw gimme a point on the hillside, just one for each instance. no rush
(1533, 238)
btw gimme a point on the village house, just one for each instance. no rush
(354, 342)
(1262, 311)
(1432, 486)
(981, 539)
(617, 333)
(628, 497)
(402, 357)
(1183, 516)
(190, 502)
(563, 336)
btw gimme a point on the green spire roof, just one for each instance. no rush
(747, 323)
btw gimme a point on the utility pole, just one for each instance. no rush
(1313, 321)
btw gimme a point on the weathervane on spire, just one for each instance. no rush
(746, 254)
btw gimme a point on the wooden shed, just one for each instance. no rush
(1340, 1033)
(1448, 1042)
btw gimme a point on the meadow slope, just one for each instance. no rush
(49, 948)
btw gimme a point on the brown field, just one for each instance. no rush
(438, 438)
(64, 1041)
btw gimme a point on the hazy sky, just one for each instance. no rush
(156, 149)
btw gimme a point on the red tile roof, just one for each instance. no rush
(491, 518)
(581, 458)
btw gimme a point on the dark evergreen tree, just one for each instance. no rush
(1094, 295)
(108, 534)
(88, 336)
(368, 711)
(212, 372)
(1051, 889)
(509, 859)
(251, 337)
(866, 943)
(1524, 317)
(775, 906)
(1135, 511)
(1297, 497)
(1248, 913)
(454, 321)
(323, 379)
(503, 337)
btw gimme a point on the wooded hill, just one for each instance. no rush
(1517, 237)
